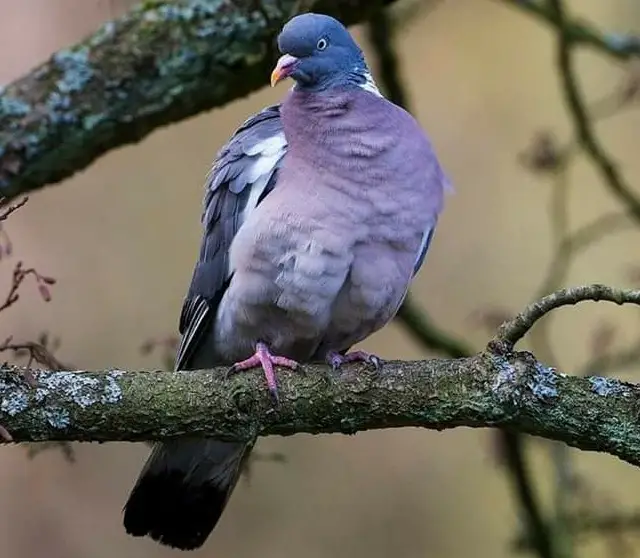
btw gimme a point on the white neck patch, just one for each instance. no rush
(370, 85)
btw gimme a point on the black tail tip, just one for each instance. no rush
(173, 512)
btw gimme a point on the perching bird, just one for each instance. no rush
(318, 213)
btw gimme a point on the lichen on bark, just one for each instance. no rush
(162, 62)
(487, 390)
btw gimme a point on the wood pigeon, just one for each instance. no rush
(318, 212)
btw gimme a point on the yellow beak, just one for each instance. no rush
(283, 68)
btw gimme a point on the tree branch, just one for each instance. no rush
(623, 47)
(487, 390)
(495, 388)
(162, 62)
(512, 331)
(576, 103)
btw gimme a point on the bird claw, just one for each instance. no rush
(263, 358)
(336, 360)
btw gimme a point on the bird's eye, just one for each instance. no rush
(322, 44)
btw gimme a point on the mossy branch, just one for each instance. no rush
(494, 388)
(162, 62)
(487, 390)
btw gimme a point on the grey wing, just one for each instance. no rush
(427, 237)
(244, 172)
(430, 226)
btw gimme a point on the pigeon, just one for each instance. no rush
(318, 212)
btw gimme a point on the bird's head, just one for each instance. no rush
(319, 53)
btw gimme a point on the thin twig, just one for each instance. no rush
(579, 32)
(576, 103)
(11, 208)
(18, 277)
(513, 330)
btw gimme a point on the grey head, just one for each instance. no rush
(319, 54)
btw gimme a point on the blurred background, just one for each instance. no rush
(121, 239)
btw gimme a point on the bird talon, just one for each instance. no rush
(275, 396)
(263, 358)
(246, 364)
(336, 360)
(284, 362)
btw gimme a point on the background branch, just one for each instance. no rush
(578, 32)
(574, 98)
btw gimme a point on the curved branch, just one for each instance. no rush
(162, 62)
(510, 332)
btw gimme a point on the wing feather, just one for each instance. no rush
(432, 221)
(427, 237)
(243, 173)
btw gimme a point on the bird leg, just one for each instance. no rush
(336, 360)
(263, 358)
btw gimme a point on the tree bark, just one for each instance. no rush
(162, 62)
(487, 390)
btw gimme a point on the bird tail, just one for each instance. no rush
(183, 489)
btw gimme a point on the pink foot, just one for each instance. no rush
(263, 357)
(336, 360)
